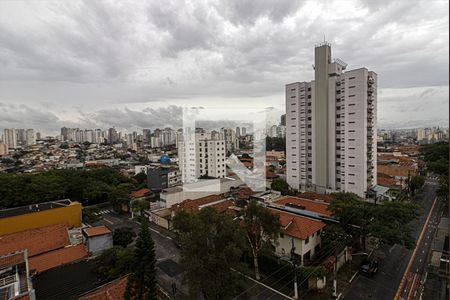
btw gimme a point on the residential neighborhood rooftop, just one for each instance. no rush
(297, 226)
(95, 231)
(59, 257)
(16, 211)
(36, 241)
(310, 205)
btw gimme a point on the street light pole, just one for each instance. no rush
(293, 260)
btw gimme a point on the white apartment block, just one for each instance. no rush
(10, 138)
(201, 155)
(331, 128)
(31, 138)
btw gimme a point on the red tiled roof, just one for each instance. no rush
(193, 205)
(113, 290)
(98, 230)
(316, 196)
(139, 193)
(57, 258)
(297, 226)
(387, 182)
(222, 206)
(37, 241)
(310, 205)
(244, 192)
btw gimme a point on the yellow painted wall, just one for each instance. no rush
(69, 214)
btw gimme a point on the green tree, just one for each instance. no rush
(280, 185)
(212, 244)
(141, 178)
(140, 205)
(335, 237)
(90, 215)
(120, 196)
(416, 183)
(261, 226)
(388, 221)
(142, 280)
(123, 236)
(113, 263)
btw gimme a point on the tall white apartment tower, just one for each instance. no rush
(331, 128)
(10, 137)
(31, 138)
(202, 155)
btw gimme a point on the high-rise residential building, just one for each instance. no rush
(231, 142)
(273, 131)
(283, 120)
(30, 137)
(238, 132)
(3, 149)
(130, 139)
(147, 134)
(21, 136)
(10, 137)
(281, 131)
(64, 133)
(113, 137)
(331, 128)
(201, 156)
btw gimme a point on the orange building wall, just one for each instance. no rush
(70, 215)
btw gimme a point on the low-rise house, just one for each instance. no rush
(47, 247)
(97, 239)
(204, 188)
(300, 234)
(15, 281)
(318, 207)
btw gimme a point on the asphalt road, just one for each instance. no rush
(395, 259)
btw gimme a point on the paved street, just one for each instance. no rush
(395, 259)
(167, 253)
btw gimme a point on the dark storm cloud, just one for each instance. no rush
(93, 54)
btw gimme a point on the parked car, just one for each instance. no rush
(369, 267)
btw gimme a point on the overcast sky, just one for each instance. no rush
(134, 64)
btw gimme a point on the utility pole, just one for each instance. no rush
(335, 274)
(293, 260)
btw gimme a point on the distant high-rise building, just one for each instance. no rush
(243, 131)
(283, 120)
(231, 142)
(147, 134)
(113, 137)
(273, 131)
(281, 131)
(21, 136)
(30, 137)
(331, 128)
(3, 149)
(65, 133)
(238, 132)
(10, 137)
(38, 135)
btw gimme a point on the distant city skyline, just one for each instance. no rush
(98, 65)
